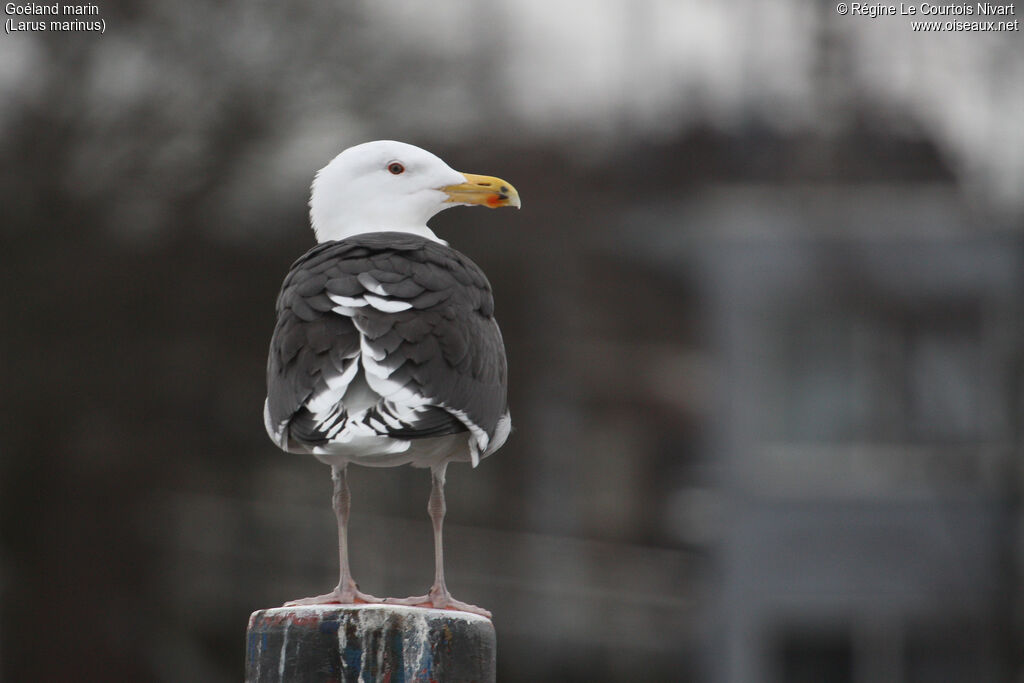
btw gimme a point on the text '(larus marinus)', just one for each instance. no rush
(386, 351)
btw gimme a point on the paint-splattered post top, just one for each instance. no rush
(356, 643)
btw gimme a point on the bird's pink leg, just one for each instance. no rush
(438, 597)
(346, 592)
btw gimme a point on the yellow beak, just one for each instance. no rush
(484, 190)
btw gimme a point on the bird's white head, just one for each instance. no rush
(392, 186)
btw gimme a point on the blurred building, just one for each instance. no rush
(867, 430)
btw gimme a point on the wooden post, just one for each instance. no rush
(365, 643)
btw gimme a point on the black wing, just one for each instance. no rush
(414, 318)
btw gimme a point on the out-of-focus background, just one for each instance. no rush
(762, 307)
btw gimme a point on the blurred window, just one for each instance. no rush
(813, 656)
(909, 377)
(943, 652)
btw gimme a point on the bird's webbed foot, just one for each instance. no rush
(347, 594)
(439, 598)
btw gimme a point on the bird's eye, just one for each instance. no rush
(396, 168)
